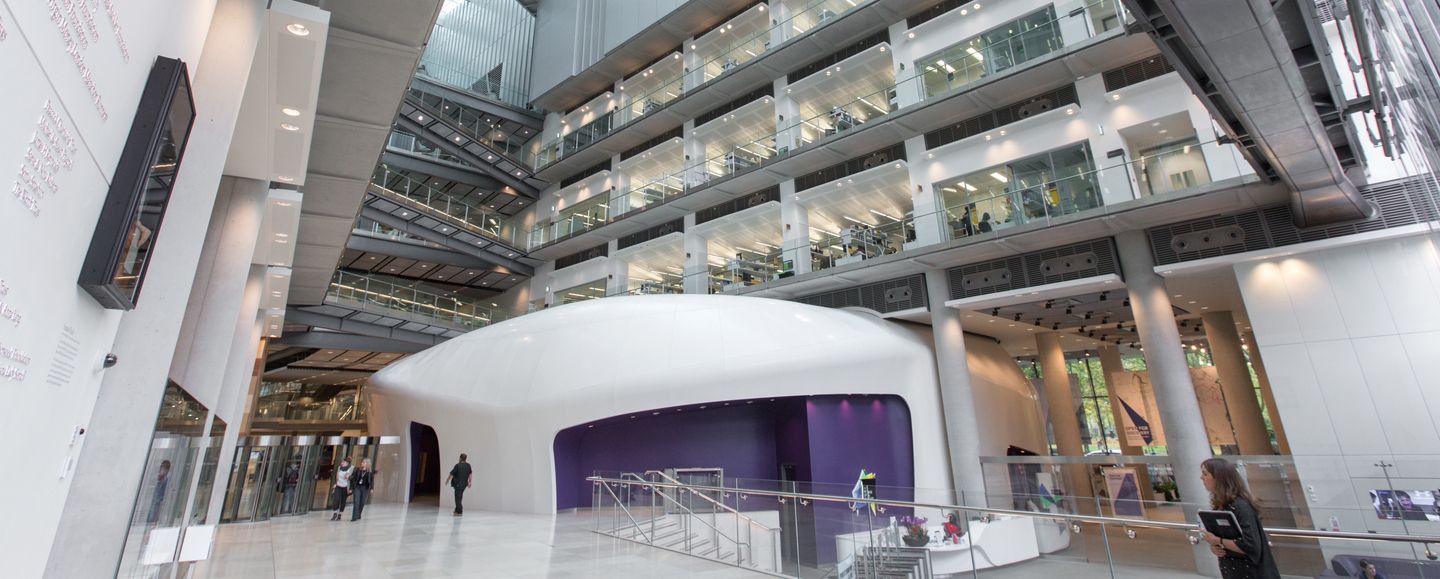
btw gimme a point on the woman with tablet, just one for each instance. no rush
(1245, 552)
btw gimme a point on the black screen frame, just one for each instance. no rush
(169, 79)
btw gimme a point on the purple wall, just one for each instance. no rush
(739, 439)
(828, 439)
(849, 433)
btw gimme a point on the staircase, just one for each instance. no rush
(670, 515)
(893, 563)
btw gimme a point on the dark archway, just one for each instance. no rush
(424, 461)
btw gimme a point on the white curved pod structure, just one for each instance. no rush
(501, 394)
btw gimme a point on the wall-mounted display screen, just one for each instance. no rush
(129, 224)
(1394, 505)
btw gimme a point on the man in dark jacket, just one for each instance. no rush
(460, 478)
(361, 481)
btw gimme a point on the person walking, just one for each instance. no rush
(1248, 557)
(342, 488)
(361, 481)
(461, 476)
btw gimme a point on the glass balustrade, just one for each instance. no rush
(856, 112)
(475, 218)
(638, 103)
(377, 294)
(473, 123)
(808, 529)
(478, 84)
(403, 141)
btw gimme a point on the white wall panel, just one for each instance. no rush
(1348, 340)
(1357, 292)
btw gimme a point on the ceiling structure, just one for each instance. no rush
(370, 57)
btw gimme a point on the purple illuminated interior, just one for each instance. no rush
(826, 439)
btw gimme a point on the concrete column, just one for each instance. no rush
(107, 476)
(1110, 365)
(1271, 409)
(1060, 400)
(928, 217)
(697, 263)
(1185, 435)
(957, 399)
(1244, 408)
(796, 230)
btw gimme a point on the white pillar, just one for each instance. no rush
(1185, 436)
(1240, 400)
(787, 118)
(929, 213)
(1115, 177)
(697, 264)
(957, 399)
(1064, 424)
(795, 233)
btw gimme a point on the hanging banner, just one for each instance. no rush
(1124, 489)
(1141, 416)
(1212, 405)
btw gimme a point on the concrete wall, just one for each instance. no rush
(76, 78)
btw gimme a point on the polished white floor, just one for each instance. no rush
(423, 540)
(426, 541)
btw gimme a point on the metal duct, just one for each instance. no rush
(1244, 60)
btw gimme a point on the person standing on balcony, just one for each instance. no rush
(1248, 557)
(361, 481)
(461, 476)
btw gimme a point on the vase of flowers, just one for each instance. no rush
(915, 535)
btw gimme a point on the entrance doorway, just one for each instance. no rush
(424, 461)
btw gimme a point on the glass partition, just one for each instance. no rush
(381, 295)
(804, 529)
(583, 292)
(801, 17)
(810, 129)
(473, 123)
(474, 217)
(159, 517)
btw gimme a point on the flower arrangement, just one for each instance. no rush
(915, 534)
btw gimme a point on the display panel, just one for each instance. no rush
(129, 223)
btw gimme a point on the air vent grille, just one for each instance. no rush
(1071, 262)
(896, 295)
(1136, 72)
(1402, 202)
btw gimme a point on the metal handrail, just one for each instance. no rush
(1073, 518)
(627, 514)
(722, 506)
(692, 514)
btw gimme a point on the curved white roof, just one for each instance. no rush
(504, 391)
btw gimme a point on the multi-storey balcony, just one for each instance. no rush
(726, 55)
(854, 105)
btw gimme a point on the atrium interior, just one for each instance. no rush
(725, 288)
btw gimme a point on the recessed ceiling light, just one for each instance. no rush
(290, 112)
(285, 178)
(298, 29)
(289, 127)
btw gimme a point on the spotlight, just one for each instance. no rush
(1126, 303)
(1069, 310)
(1087, 315)
(995, 311)
(1104, 295)
(1049, 304)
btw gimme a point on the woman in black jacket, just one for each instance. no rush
(1248, 557)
